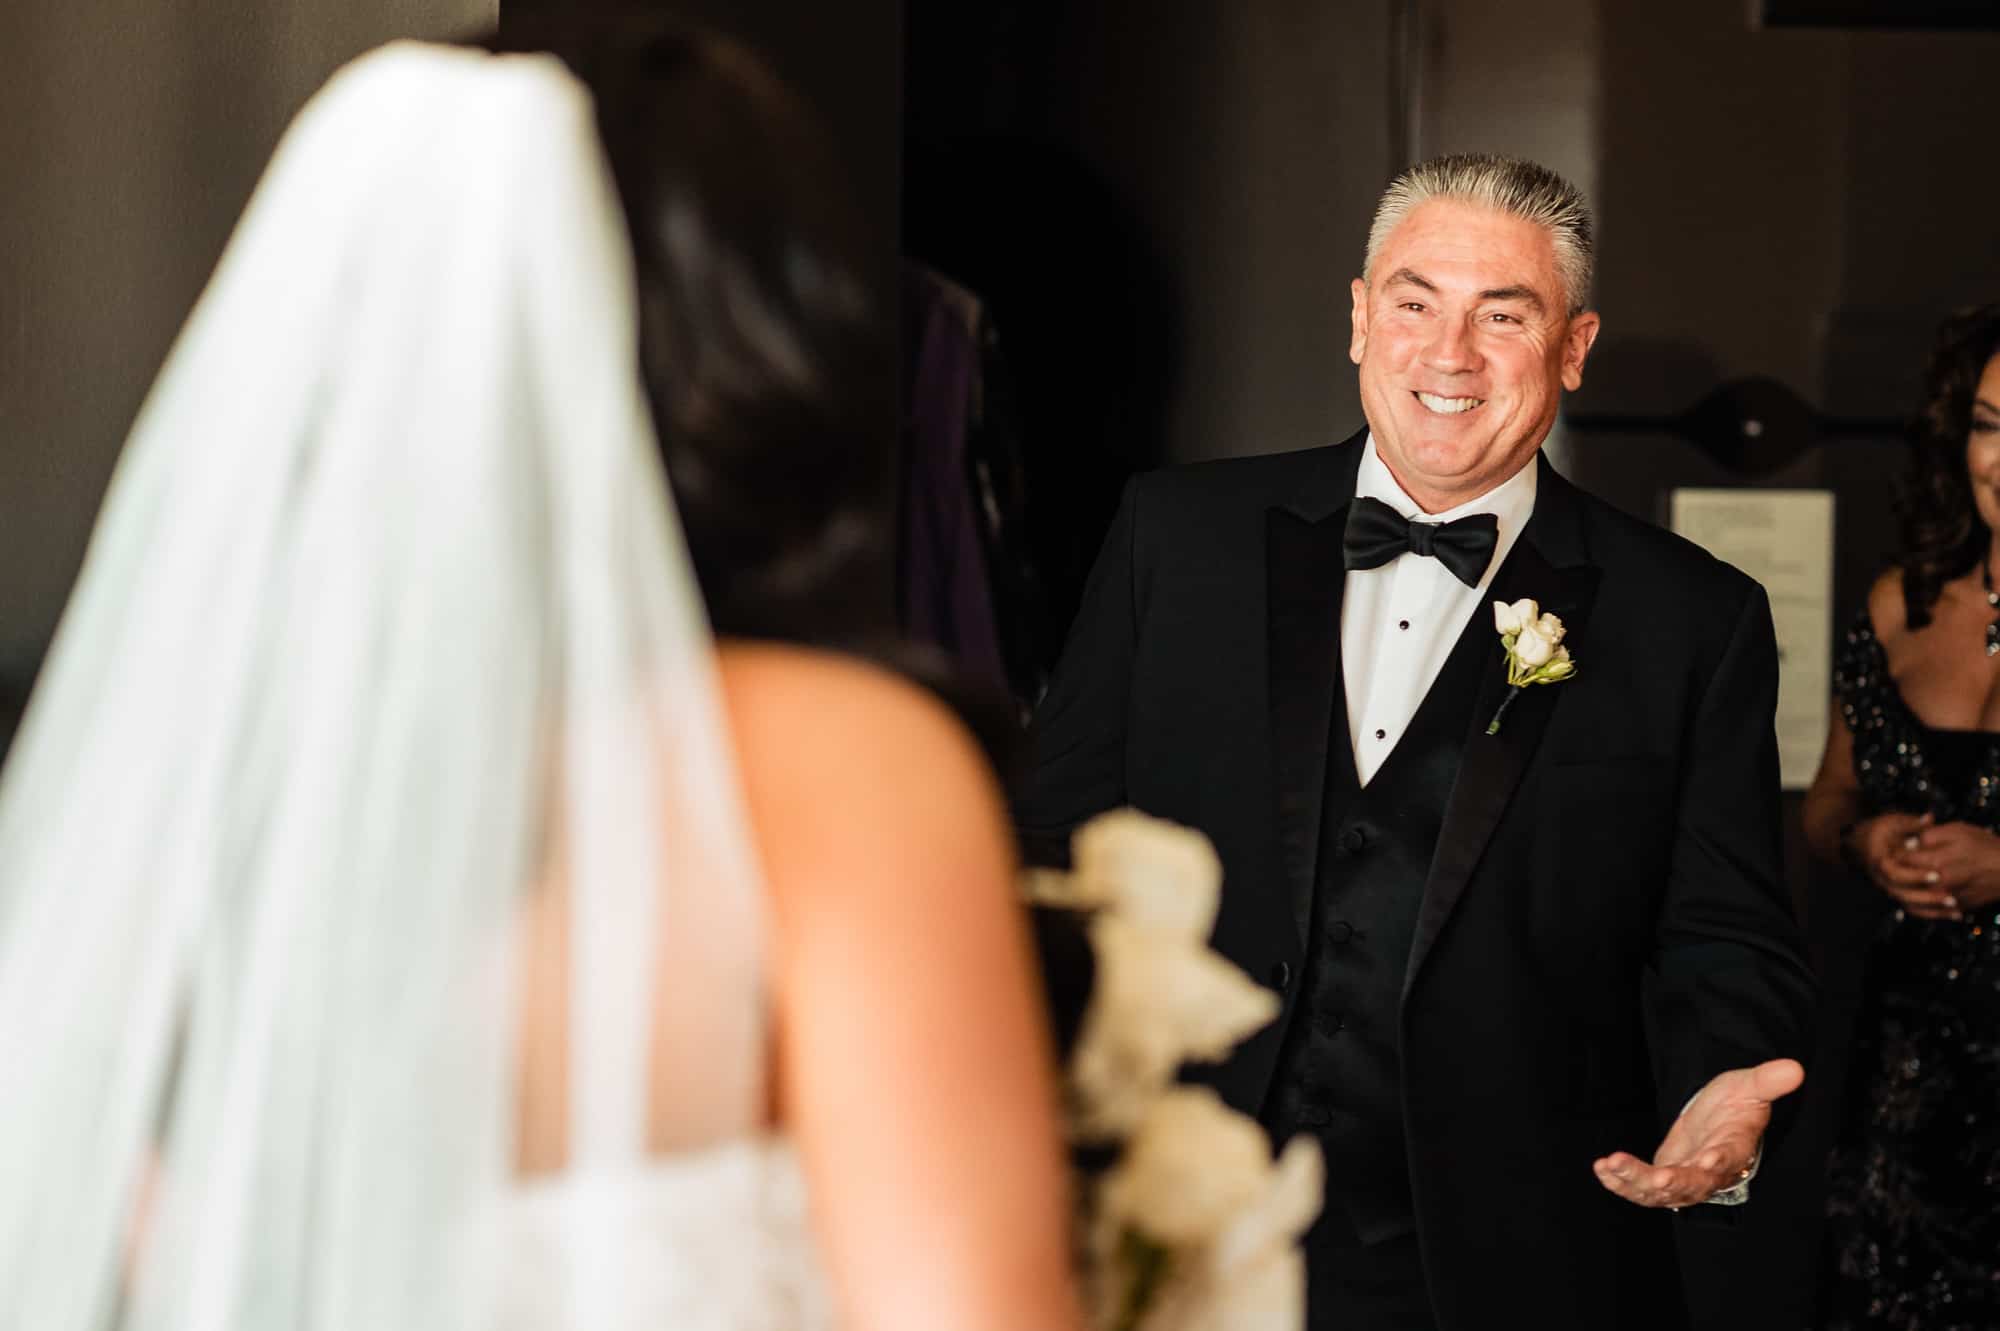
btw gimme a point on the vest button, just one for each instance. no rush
(1353, 840)
(1281, 974)
(1340, 933)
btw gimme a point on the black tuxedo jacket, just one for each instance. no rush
(1604, 926)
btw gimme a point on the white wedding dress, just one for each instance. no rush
(387, 642)
(715, 1240)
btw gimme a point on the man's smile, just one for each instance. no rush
(1447, 406)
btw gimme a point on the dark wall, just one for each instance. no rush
(1232, 150)
(131, 133)
(1808, 216)
(1161, 206)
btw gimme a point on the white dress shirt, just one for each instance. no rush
(1399, 622)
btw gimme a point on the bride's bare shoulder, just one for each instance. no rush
(837, 750)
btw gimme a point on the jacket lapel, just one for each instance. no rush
(1548, 564)
(1304, 580)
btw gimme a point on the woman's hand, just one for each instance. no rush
(1889, 847)
(1960, 860)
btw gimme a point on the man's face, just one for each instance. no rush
(1465, 344)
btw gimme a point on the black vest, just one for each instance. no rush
(1339, 1074)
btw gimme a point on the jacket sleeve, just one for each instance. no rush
(1076, 746)
(1729, 986)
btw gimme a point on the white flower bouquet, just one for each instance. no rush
(1194, 1227)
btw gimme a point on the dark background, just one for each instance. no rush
(1162, 206)
(1976, 15)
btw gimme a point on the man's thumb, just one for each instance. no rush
(1777, 1078)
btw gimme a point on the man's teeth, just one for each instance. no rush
(1448, 406)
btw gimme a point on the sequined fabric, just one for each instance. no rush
(1914, 1200)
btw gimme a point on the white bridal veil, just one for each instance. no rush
(386, 637)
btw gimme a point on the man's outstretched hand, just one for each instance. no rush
(1711, 1144)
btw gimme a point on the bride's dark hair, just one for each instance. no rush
(768, 367)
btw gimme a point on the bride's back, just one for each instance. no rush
(909, 1096)
(905, 1057)
(389, 646)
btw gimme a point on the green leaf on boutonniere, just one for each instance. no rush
(1532, 642)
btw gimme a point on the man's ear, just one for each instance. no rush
(1357, 341)
(1577, 342)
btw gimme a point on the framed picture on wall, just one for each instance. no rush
(1783, 539)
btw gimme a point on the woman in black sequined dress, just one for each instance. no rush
(1909, 796)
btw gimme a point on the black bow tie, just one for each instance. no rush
(1377, 533)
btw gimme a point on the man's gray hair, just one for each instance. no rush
(1510, 185)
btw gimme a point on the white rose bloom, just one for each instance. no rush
(1290, 1204)
(1253, 1274)
(1513, 618)
(1533, 648)
(1053, 887)
(1190, 1170)
(1270, 1292)
(1550, 627)
(1195, 1180)
(1157, 874)
(1158, 1002)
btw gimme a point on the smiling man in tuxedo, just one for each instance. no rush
(1510, 958)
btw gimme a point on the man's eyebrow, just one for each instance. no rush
(1518, 292)
(1525, 294)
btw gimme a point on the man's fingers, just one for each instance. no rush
(1777, 1078)
(1622, 1176)
(1722, 1156)
(1653, 1185)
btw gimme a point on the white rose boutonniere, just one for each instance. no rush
(1535, 653)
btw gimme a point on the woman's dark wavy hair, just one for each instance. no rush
(1943, 536)
(768, 369)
